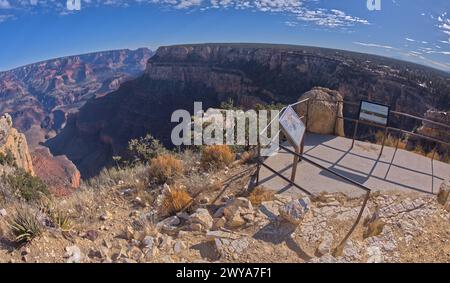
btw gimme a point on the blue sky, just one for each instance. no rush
(413, 30)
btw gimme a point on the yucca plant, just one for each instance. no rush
(25, 226)
(57, 217)
(61, 220)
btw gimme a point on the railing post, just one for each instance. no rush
(384, 141)
(354, 133)
(258, 164)
(337, 114)
(307, 115)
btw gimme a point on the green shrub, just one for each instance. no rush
(7, 158)
(28, 187)
(145, 148)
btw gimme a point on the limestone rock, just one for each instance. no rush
(375, 255)
(211, 235)
(168, 224)
(326, 244)
(295, 210)
(444, 192)
(219, 223)
(73, 254)
(322, 114)
(237, 212)
(228, 247)
(202, 217)
(14, 142)
(179, 246)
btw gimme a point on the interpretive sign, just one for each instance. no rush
(374, 112)
(293, 126)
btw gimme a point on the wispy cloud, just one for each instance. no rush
(297, 10)
(375, 45)
(4, 18)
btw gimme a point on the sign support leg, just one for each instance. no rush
(295, 164)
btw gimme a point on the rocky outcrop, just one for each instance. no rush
(176, 76)
(59, 173)
(14, 143)
(322, 109)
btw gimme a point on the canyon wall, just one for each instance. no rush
(176, 76)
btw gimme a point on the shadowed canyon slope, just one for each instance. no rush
(248, 73)
(39, 96)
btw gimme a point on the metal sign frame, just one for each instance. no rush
(295, 141)
(377, 104)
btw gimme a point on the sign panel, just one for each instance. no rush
(374, 112)
(293, 126)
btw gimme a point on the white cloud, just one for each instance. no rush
(4, 4)
(298, 10)
(375, 45)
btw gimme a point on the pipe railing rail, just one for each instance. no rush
(299, 156)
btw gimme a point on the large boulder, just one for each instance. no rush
(236, 212)
(295, 211)
(202, 219)
(321, 110)
(15, 143)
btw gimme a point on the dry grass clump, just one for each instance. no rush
(260, 195)
(217, 156)
(390, 140)
(110, 177)
(164, 167)
(247, 157)
(175, 200)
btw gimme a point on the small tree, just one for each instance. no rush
(145, 148)
(27, 186)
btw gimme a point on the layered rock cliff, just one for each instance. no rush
(15, 144)
(176, 76)
(39, 96)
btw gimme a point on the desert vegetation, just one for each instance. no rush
(194, 205)
(414, 146)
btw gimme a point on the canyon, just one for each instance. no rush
(39, 97)
(249, 74)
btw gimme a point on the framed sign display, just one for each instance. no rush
(374, 113)
(293, 126)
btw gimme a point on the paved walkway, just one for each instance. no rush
(393, 170)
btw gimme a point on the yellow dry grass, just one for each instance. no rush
(164, 168)
(175, 201)
(260, 195)
(217, 156)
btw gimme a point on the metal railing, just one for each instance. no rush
(299, 156)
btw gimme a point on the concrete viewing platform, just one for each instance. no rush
(393, 170)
